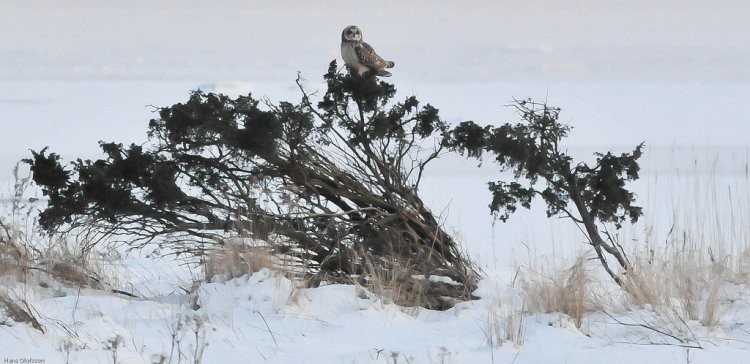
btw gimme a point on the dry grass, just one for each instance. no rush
(24, 249)
(686, 271)
(687, 283)
(504, 323)
(571, 290)
(71, 273)
(18, 311)
(70, 260)
(395, 284)
(237, 259)
(13, 260)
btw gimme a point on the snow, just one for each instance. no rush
(673, 74)
(267, 318)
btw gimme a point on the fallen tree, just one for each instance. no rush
(333, 184)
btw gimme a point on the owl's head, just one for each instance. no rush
(351, 34)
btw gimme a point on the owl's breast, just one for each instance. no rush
(349, 54)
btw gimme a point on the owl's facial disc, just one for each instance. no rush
(352, 33)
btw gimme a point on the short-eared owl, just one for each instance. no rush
(359, 56)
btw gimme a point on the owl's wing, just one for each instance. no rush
(367, 56)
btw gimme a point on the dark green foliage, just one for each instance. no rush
(531, 150)
(374, 121)
(47, 170)
(206, 118)
(369, 93)
(56, 184)
(587, 194)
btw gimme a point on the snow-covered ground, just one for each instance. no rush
(264, 318)
(673, 74)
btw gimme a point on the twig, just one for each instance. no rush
(516, 357)
(650, 343)
(647, 327)
(689, 329)
(269, 329)
(261, 354)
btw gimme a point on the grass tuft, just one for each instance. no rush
(569, 290)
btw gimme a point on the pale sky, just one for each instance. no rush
(669, 72)
(432, 41)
